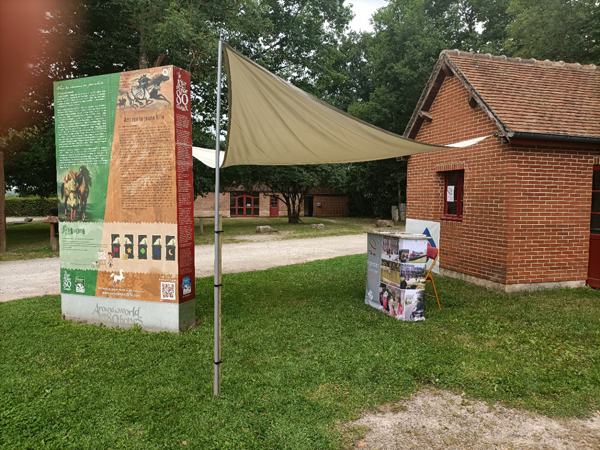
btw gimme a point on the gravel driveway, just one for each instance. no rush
(33, 277)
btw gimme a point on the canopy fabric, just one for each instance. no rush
(272, 122)
(461, 144)
(207, 156)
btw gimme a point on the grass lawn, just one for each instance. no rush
(234, 228)
(302, 356)
(27, 241)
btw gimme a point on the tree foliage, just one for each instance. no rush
(558, 30)
(296, 38)
(293, 183)
(409, 36)
(374, 186)
(377, 76)
(33, 163)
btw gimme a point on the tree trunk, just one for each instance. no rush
(143, 59)
(293, 217)
(399, 197)
(293, 208)
(159, 59)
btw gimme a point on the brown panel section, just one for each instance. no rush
(141, 199)
(154, 287)
(142, 183)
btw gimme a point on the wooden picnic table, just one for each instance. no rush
(53, 221)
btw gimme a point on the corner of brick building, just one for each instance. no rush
(477, 246)
(526, 208)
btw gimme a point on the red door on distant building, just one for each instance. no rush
(593, 279)
(243, 205)
(274, 206)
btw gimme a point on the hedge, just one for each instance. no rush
(30, 206)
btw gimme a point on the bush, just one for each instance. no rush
(30, 206)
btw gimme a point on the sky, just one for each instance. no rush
(363, 10)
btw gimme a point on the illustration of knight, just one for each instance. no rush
(71, 194)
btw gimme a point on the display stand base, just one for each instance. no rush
(116, 312)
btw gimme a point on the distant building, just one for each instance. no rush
(321, 202)
(521, 209)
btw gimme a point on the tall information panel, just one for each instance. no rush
(396, 271)
(125, 189)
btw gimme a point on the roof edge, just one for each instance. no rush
(554, 137)
(433, 86)
(531, 61)
(502, 127)
(429, 90)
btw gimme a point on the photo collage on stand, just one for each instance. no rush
(402, 283)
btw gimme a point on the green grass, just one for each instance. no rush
(27, 241)
(302, 355)
(233, 229)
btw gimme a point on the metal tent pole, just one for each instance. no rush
(218, 229)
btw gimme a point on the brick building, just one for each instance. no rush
(514, 210)
(320, 202)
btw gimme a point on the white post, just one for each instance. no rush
(217, 281)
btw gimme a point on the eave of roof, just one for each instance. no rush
(446, 66)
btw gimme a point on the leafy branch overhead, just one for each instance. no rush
(376, 76)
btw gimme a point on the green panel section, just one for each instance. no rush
(85, 111)
(77, 281)
(79, 244)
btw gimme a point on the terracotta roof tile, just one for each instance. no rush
(535, 96)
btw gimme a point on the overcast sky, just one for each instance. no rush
(363, 10)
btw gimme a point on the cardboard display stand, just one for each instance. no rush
(396, 274)
(125, 188)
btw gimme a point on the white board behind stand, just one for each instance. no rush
(428, 228)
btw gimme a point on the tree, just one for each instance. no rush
(293, 182)
(374, 186)
(398, 58)
(33, 164)
(558, 30)
(298, 39)
(408, 38)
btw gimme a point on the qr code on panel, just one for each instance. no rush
(167, 291)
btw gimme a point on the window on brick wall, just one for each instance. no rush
(453, 194)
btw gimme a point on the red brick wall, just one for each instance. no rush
(205, 206)
(549, 217)
(526, 210)
(331, 206)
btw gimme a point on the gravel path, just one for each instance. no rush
(33, 277)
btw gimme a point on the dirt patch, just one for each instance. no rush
(433, 419)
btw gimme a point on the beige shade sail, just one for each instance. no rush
(272, 122)
(207, 156)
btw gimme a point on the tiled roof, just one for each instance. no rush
(535, 96)
(524, 95)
